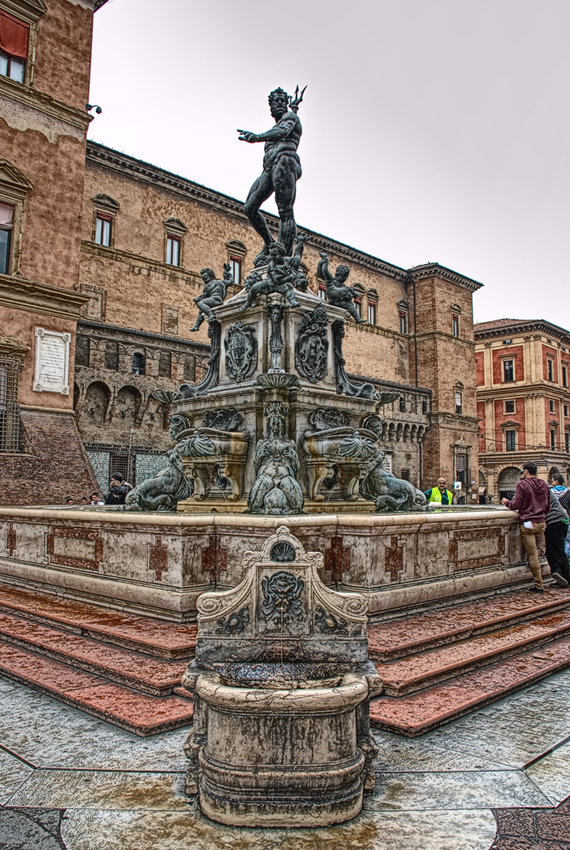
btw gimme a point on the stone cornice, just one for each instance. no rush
(27, 10)
(35, 99)
(523, 328)
(145, 172)
(456, 418)
(442, 272)
(445, 337)
(104, 328)
(23, 294)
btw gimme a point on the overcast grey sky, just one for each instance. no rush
(434, 130)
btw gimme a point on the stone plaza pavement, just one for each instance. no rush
(69, 780)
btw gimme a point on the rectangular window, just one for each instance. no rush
(112, 356)
(567, 440)
(103, 230)
(458, 402)
(14, 36)
(358, 305)
(235, 268)
(508, 370)
(566, 411)
(6, 225)
(511, 441)
(564, 375)
(552, 439)
(322, 292)
(403, 323)
(461, 470)
(372, 312)
(550, 369)
(455, 325)
(172, 251)
(551, 406)
(164, 364)
(402, 404)
(82, 350)
(509, 407)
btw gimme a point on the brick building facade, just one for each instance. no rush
(102, 269)
(523, 401)
(45, 54)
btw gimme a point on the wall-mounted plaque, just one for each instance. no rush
(52, 362)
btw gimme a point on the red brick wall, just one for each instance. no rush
(500, 418)
(480, 369)
(481, 426)
(510, 352)
(53, 466)
(63, 53)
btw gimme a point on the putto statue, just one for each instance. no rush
(281, 170)
(283, 275)
(212, 295)
(338, 293)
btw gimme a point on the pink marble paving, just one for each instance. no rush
(166, 640)
(418, 671)
(417, 713)
(403, 637)
(150, 674)
(139, 713)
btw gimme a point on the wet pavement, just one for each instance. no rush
(496, 778)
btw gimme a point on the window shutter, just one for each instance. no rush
(14, 36)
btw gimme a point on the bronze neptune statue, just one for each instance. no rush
(281, 170)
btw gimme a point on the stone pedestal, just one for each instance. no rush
(281, 684)
(280, 757)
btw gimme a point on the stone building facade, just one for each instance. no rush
(45, 54)
(523, 401)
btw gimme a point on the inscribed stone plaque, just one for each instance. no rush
(70, 547)
(485, 547)
(52, 362)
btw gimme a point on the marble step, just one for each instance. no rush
(406, 636)
(418, 713)
(139, 713)
(142, 672)
(405, 675)
(131, 631)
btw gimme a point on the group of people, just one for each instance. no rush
(118, 489)
(543, 510)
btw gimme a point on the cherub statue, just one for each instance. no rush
(212, 295)
(282, 274)
(338, 293)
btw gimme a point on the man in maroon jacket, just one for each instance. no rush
(532, 501)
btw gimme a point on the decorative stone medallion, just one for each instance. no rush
(226, 420)
(241, 351)
(312, 346)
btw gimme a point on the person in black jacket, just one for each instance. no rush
(118, 490)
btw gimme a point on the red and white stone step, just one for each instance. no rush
(436, 666)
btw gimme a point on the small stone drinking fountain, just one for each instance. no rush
(281, 683)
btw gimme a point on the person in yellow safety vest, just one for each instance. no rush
(440, 494)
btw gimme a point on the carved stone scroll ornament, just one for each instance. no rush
(322, 419)
(241, 351)
(212, 377)
(276, 490)
(312, 346)
(226, 420)
(343, 384)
